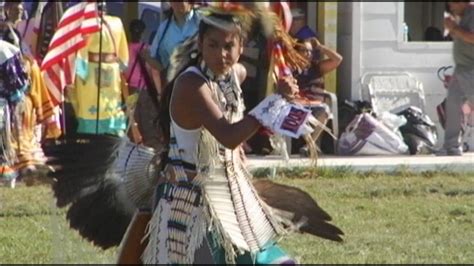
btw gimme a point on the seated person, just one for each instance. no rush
(311, 80)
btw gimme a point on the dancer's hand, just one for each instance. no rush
(282, 117)
(288, 87)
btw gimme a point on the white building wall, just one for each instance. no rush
(348, 28)
(376, 45)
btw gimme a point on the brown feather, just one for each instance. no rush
(308, 216)
(286, 197)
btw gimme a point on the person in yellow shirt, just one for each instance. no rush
(106, 115)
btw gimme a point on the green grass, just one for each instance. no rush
(33, 230)
(397, 217)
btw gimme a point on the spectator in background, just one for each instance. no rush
(28, 99)
(104, 115)
(135, 74)
(14, 12)
(461, 86)
(38, 30)
(181, 23)
(3, 20)
(2, 12)
(152, 37)
(26, 28)
(311, 80)
(313, 77)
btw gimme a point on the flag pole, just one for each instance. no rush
(100, 69)
(63, 105)
(59, 12)
(62, 116)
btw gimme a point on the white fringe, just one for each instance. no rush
(279, 230)
(223, 239)
(156, 252)
(197, 232)
(207, 152)
(158, 248)
(256, 225)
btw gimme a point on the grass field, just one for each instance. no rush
(387, 218)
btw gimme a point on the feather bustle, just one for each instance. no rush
(99, 208)
(295, 204)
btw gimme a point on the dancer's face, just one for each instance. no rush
(220, 49)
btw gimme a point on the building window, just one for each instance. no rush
(424, 22)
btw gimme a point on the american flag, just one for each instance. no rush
(58, 66)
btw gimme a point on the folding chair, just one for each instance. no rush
(392, 91)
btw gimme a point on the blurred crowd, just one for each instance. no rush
(117, 79)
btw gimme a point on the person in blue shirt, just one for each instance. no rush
(182, 23)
